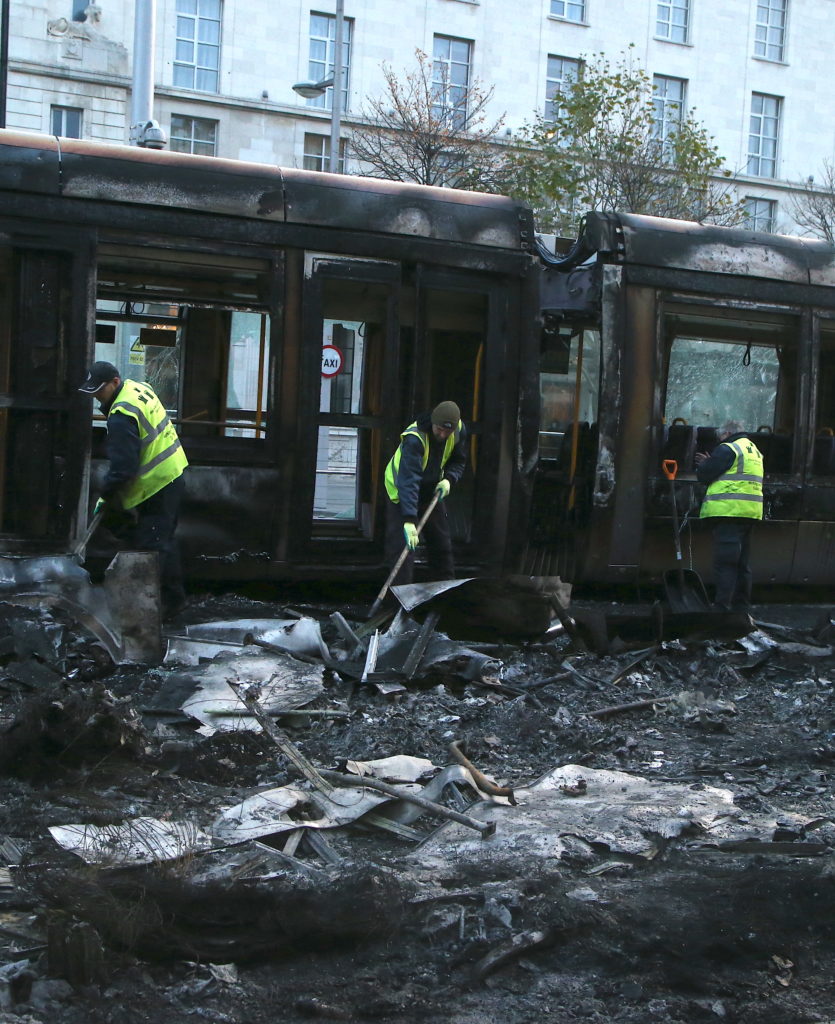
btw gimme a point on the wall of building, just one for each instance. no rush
(265, 43)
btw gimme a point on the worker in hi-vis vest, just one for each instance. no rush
(734, 502)
(145, 476)
(430, 458)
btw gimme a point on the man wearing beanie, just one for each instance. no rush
(431, 458)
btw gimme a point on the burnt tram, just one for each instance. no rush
(658, 333)
(294, 322)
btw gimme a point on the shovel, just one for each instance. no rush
(684, 587)
(22, 574)
(430, 508)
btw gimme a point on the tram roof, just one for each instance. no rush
(73, 168)
(686, 245)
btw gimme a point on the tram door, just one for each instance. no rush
(45, 285)
(349, 380)
(814, 561)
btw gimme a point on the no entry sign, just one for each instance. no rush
(331, 360)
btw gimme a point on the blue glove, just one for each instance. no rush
(442, 490)
(411, 535)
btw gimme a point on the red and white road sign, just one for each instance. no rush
(331, 360)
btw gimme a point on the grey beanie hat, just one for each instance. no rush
(447, 415)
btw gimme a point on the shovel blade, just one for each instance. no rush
(685, 591)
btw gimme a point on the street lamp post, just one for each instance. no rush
(311, 89)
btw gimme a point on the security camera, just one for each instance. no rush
(149, 135)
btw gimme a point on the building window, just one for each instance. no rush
(78, 10)
(451, 78)
(193, 135)
(197, 57)
(668, 107)
(317, 151)
(770, 37)
(762, 135)
(570, 10)
(65, 121)
(760, 214)
(672, 20)
(563, 72)
(321, 54)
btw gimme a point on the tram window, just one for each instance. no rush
(568, 394)
(709, 383)
(823, 457)
(145, 343)
(746, 373)
(123, 330)
(246, 376)
(353, 333)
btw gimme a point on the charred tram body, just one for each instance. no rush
(294, 322)
(659, 333)
(291, 322)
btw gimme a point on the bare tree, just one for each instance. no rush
(814, 207)
(425, 130)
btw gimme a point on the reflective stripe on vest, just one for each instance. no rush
(739, 491)
(393, 468)
(161, 456)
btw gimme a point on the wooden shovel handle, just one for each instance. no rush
(430, 508)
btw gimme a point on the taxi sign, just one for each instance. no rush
(331, 360)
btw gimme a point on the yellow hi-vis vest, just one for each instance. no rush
(738, 491)
(393, 468)
(161, 456)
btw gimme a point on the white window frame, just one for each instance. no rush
(569, 10)
(316, 153)
(320, 54)
(62, 110)
(188, 142)
(448, 91)
(561, 74)
(198, 31)
(770, 31)
(669, 28)
(764, 135)
(668, 110)
(760, 213)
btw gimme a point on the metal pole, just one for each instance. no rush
(4, 58)
(142, 90)
(336, 95)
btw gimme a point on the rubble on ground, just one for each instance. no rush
(486, 808)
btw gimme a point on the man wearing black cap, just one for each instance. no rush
(431, 457)
(145, 475)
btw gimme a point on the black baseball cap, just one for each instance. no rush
(100, 373)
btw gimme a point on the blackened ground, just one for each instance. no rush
(692, 935)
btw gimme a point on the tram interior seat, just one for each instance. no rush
(823, 455)
(776, 451)
(680, 445)
(706, 439)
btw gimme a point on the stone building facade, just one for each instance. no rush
(753, 70)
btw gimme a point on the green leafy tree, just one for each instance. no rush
(422, 130)
(604, 148)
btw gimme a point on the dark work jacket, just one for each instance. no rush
(123, 451)
(415, 482)
(720, 461)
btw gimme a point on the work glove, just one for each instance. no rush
(442, 490)
(100, 505)
(411, 535)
